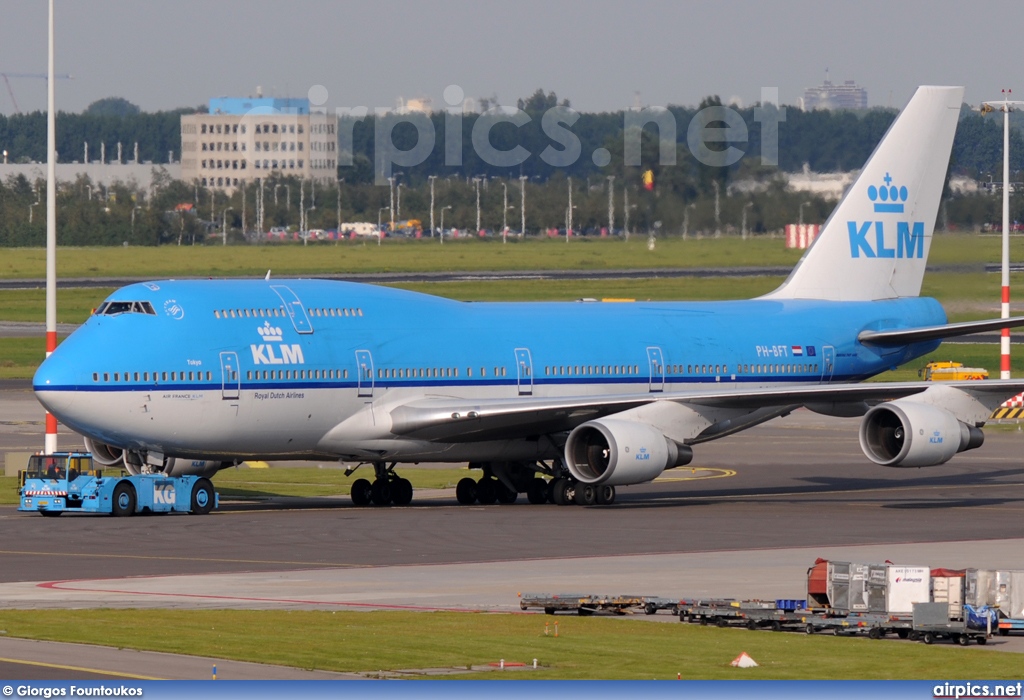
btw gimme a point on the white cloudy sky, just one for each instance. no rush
(163, 54)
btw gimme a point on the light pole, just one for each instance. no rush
(625, 211)
(391, 185)
(800, 217)
(431, 179)
(718, 212)
(504, 214)
(441, 235)
(276, 188)
(568, 217)
(224, 226)
(398, 202)
(134, 209)
(611, 205)
(1006, 106)
(522, 204)
(743, 229)
(380, 233)
(686, 219)
(338, 232)
(476, 183)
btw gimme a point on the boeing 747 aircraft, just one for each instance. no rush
(194, 376)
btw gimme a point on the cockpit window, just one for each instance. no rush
(115, 308)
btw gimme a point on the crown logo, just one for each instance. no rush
(888, 198)
(270, 333)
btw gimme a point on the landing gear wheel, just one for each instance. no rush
(361, 489)
(605, 495)
(487, 491)
(465, 491)
(401, 492)
(585, 495)
(928, 638)
(537, 491)
(123, 500)
(559, 489)
(380, 492)
(203, 497)
(505, 494)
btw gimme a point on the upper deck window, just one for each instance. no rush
(114, 308)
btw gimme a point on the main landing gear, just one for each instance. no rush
(502, 482)
(386, 488)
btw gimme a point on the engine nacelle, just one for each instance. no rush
(107, 455)
(176, 466)
(136, 463)
(617, 452)
(907, 433)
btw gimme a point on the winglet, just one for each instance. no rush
(875, 244)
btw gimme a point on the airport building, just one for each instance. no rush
(829, 95)
(244, 139)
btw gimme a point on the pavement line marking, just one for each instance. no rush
(56, 586)
(722, 474)
(738, 496)
(318, 565)
(85, 669)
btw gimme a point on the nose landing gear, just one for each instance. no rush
(386, 488)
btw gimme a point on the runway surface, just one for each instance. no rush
(746, 520)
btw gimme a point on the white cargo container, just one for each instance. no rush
(906, 585)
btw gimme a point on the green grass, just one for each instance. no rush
(470, 254)
(8, 490)
(586, 648)
(984, 355)
(19, 357)
(245, 482)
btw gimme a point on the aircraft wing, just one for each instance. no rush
(905, 336)
(445, 419)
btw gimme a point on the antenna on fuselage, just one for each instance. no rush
(268, 276)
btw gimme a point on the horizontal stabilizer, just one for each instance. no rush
(905, 336)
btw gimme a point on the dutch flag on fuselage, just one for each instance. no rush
(797, 350)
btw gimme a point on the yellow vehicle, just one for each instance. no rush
(950, 371)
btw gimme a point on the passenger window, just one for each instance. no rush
(95, 376)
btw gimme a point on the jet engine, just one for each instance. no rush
(906, 433)
(616, 452)
(136, 463)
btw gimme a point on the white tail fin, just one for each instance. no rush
(875, 244)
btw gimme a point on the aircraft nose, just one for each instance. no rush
(52, 388)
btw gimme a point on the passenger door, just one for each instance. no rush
(294, 308)
(230, 377)
(657, 365)
(364, 373)
(524, 365)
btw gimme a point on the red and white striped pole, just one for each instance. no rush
(1004, 341)
(50, 443)
(1005, 105)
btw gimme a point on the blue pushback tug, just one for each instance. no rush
(69, 482)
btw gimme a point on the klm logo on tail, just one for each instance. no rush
(909, 237)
